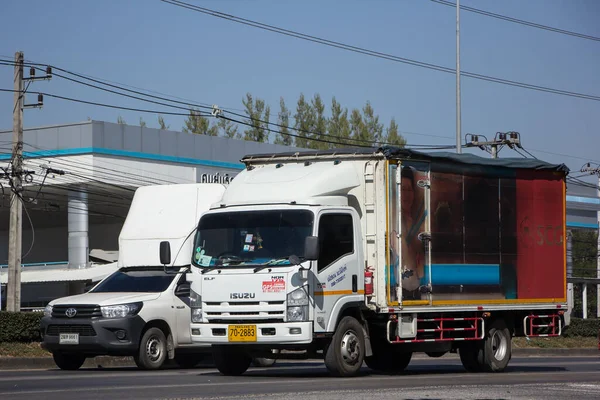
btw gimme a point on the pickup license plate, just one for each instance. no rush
(69, 338)
(241, 333)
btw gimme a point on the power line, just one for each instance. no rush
(518, 21)
(109, 105)
(376, 54)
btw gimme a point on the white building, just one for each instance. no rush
(82, 180)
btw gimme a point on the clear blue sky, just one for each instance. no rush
(161, 47)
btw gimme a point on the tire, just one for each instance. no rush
(389, 361)
(346, 352)
(231, 360)
(188, 360)
(69, 362)
(152, 352)
(469, 357)
(263, 362)
(435, 354)
(497, 348)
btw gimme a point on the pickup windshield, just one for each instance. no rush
(139, 280)
(251, 237)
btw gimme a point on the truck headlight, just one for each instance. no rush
(121, 310)
(48, 311)
(196, 306)
(297, 305)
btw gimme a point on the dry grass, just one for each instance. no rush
(556, 342)
(12, 349)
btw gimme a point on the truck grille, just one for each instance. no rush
(83, 330)
(244, 312)
(82, 311)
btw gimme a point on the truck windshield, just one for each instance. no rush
(251, 237)
(139, 280)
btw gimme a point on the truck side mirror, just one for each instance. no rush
(311, 248)
(165, 253)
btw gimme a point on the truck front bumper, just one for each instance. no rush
(275, 333)
(93, 336)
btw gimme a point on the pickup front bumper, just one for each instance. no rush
(266, 333)
(92, 336)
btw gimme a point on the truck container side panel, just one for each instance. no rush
(465, 229)
(413, 221)
(540, 241)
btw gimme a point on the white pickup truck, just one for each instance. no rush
(142, 309)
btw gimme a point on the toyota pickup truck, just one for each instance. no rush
(142, 309)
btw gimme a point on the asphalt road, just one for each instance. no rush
(444, 378)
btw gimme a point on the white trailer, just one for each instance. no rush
(371, 255)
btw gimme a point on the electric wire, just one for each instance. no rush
(373, 53)
(518, 21)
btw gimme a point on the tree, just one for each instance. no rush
(283, 120)
(120, 120)
(142, 122)
(338, 127)
(303, 122)
(228, 129)
(357, 128)
(319, 128)
(258, 119)
(200, 125)
(392, 135)
(373, 129)
(161, 123)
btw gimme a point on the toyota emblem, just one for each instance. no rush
(70, 312)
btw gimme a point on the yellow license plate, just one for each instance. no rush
(241, 333)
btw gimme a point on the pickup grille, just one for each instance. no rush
(244, 312)
(82, 311)
(83, 330)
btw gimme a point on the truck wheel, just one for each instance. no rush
(153, 350)
(231, 361)
(188, 360)
(346, 352)
(263, 362)
(389, 361)
(435, 354)
(469, 357)
(68, 362)
(496, 347)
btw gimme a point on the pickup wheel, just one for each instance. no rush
(153, 350)
(345, 354)
(69, 362)
(231, 360)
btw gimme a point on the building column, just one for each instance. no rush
(77, 210)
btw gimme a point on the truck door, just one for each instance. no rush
(336, 273)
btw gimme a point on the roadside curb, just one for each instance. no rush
(42, 363)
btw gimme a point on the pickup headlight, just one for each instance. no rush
(297, 305)
(196, 306)
(121, 310)
(48, 311)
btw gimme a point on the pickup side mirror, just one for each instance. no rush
(311, 248)
(165, 253)
(183, 290)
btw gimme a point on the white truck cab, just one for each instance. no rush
(142, 309)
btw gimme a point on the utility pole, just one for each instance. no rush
(13, 285)
(510, 139)
(596, 171)
(458, 116)
(15, 176)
